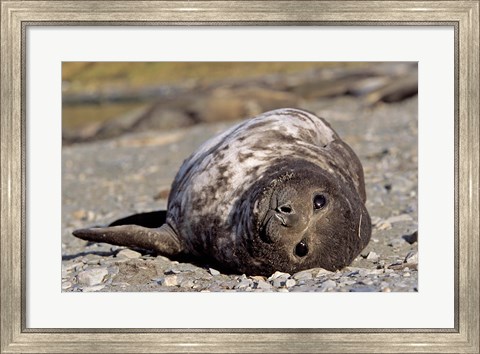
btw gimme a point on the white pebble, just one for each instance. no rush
(213, 271)
(290, 282)
(90, 289)
(329, 284)
(384, 225)
(412, 257)
(264, 285)
(278, 274)
(399, 218)
(92, 276)
(170, 280)
(303, 275)
(128, 253)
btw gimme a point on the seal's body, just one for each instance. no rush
(280, 191)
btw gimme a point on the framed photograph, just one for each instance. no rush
(102, 103)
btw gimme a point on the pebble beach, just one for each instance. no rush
(113, 177)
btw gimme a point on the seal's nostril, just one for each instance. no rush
(301, 249)
(285, 209)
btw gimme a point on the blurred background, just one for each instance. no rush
(107, 99)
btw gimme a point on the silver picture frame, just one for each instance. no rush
(16, 16)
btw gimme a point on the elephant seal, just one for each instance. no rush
(278, 192)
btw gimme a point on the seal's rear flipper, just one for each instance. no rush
(151, 219)
(162, 240)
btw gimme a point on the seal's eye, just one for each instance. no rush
(319, 201)
(301, 249)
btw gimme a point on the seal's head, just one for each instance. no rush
(303, 217)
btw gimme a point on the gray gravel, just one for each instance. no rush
(106, 180)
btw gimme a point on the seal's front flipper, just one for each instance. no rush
(162, 240)
(150, 219)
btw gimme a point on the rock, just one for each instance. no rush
(92, 276)
(64, 273)
(363, 272)
(303, 275)
(66, 285)
(301, 288)
(279, 282)
(225, 104)
(290, 282)
(91, 215)
(321, 272)
(162, 259)
(128, 253)
(201, 273)
(74, 266)
(395, 91)
(346, 282)
(353, 273)
(396, 242)
(213, 271)
(94, 288)
(91, 259)
(401, 266)
(411, 238)
(368, 85)
(120, 284)
(327, 285)
(94, 261)
(362, 289)
(245, 283)
(399, 218)
(367, 281)
(264, 285)
(84, 215)
(169, 280)
(80, 214)
(376, 220)
(229, 284)
(187, 283)
(159, 118)
(411, 257)
(383, 225)
(372, 256)
(279, 279)
(171, 271)
(113, 270)
(278, 274)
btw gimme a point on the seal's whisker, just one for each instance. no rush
(360, 226)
